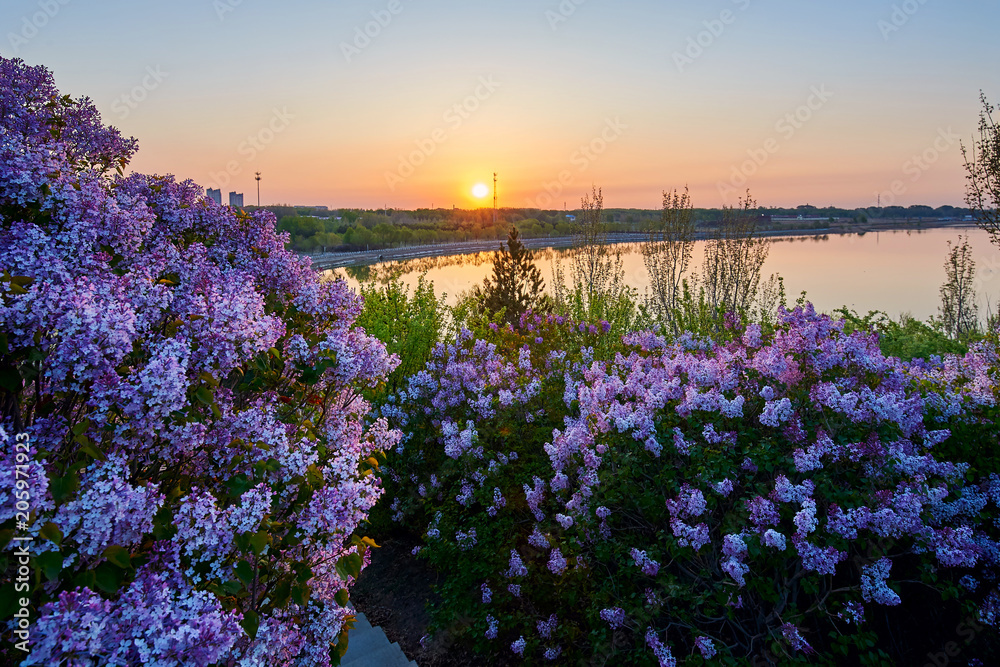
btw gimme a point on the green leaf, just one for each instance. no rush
(350, 565)
(5, 537)
(341, 648)
(205, 395)
(50, 564)
(109, 577)
(251, 621)
(258, 541)
(51, 532)
(63, 487)
(232, 587)
(300, 594)
(238, 485)
(245, 572)
(314, 476)
(118, 556)
(163, 523)
(10, 378)
(91, 449)
(81, 427)
(342, 597)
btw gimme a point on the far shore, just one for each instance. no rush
(334, 260)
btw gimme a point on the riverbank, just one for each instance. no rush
(334, 260)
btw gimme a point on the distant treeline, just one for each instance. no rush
(314, 229)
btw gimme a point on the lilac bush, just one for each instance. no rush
(192, 396)
(695, 499)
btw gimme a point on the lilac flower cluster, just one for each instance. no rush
(192, 390)
(614, 617)
(765, 429)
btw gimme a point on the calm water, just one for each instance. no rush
(897, 272)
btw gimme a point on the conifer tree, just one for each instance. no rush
(516, 285)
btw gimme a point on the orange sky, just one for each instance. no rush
(821, 103)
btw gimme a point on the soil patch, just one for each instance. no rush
(394, 592)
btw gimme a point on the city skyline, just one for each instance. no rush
(388, 103)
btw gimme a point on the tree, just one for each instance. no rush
(517, 284)
(667, 253)
(410, 325)
(596, 289)
(734, 258)
(982, 164)
(959, 314)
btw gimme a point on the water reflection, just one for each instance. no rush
(897, 272)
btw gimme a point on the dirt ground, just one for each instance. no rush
(393, 592)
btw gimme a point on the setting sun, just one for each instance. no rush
(480, 190)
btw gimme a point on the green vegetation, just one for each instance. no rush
(314, 229)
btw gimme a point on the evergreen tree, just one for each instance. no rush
(516, 285)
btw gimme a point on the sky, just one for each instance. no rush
(411, 103)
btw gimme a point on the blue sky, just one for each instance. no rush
(620, 94)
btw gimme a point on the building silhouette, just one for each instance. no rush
(236, 199)
(214, 195)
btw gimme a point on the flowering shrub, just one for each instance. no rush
(693, 500)
(182, 419)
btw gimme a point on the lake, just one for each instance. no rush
(896, 272)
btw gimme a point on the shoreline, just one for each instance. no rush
(336, 260)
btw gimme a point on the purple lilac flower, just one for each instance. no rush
(795, 639)
(723, 488)
(614, 617)
(648, 566)
(706, 646)
(557, 564)
(491, 627)
(660, 650)
(547, 627)
(537, 539)
(518, 645)
(487, 593)
(854, 613)
(873, 583)
(516, 567)
(776, 412)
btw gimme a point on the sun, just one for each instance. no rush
(479, 190)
